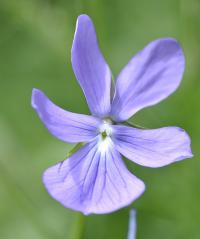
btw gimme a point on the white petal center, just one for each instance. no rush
(105, 131)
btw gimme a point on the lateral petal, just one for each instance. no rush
(152, 147)
(64, 125)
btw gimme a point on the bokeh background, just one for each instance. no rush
(35, 42)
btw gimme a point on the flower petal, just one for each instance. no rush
(64, 125)
(150, 76)
(132, 225)
(90, 68)
(93, 181)
(152, 147)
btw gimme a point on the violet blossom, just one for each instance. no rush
(95, 179)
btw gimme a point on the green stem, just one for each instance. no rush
(133, 125)
(79, 230)
(75, 149)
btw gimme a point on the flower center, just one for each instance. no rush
(106, 129)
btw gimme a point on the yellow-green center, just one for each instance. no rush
(105, 130)
(104, 134)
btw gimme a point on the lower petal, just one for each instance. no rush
(152, 147)
(93, 180)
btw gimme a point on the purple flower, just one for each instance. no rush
(95, 179)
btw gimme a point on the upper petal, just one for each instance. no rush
(152, 147)
(64, 125)
(150, 76)
(93, 180)
(90, 68)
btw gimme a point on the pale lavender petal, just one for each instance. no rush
(93, 180)
(152, 147)
(151, 76)
(64, 125)
(132, 225)
(90, 68)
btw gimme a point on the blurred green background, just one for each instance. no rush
(35, 42)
